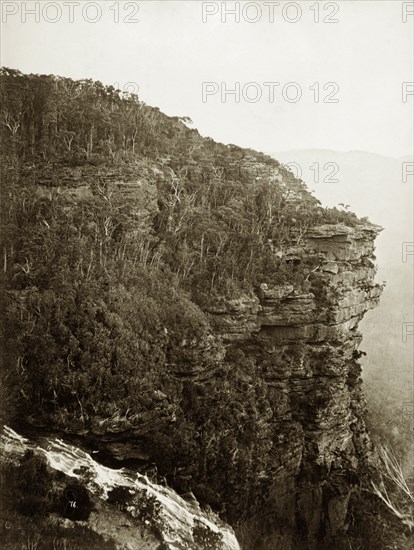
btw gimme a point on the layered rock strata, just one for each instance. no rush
(311, 339)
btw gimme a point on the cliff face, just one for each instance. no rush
(303, 342)
(183, 304)
(313, 375)
(305, 348)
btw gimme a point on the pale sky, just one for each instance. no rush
(168, 52)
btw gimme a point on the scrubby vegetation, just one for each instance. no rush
(140, 504)
(373, 526)
(120, 226)
(205, 538)
(103, 288)
(30, 494)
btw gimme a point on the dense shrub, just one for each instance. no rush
(27, 487)
(205, 538)
(32, 489)
(140, 504)
(120, 496)
(118, 223)
(74, 502)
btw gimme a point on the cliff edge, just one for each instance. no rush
(179, 305)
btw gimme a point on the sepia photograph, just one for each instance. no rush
(206, 275)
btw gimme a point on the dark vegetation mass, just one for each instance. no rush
(30, 492)
(119, 226)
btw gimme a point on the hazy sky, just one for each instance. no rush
(168, 51)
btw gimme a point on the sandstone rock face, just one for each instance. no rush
(170, 523)
(310, 336)
(318, 404)
(313, 378)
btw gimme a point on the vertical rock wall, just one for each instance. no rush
(311, 341)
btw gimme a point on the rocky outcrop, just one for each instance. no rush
(252, 403)
(311, 340)
(304, 342)
(147, 516)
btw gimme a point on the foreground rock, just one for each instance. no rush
(151, 517)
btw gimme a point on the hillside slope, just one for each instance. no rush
(173, 301)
